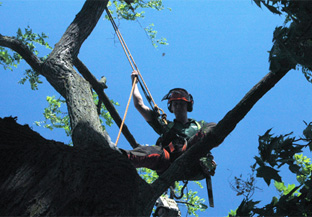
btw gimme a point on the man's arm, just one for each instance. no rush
(145, 111)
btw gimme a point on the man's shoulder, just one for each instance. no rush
(202, 122)
(158, 124)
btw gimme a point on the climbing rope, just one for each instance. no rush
(134, 68)
(172, 192)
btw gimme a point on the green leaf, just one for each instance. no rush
(294, 168)
(203, 206)
(246, 207)
(280, 186)
(308, 131)
(19, 32)
(258, 2)
(289, 188)
(274, 200)
(273, 9)
(268, 173)
(259, 161)
(307, 72)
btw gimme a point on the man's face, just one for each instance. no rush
(179, 107)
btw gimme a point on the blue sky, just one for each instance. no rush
(218, 50)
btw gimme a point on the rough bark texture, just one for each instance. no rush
(44, 177)
(58, 69)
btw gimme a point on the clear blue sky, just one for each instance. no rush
(218, 50)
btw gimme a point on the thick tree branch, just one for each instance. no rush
(58, 68)
(21, 49)
(66, 50)
(233, 117)
(98, 87)
(80, 29)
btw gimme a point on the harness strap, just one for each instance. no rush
(171, 147)
(198, 125)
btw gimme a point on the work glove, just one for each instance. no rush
(208, 165)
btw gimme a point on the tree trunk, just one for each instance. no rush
(58, 69)
(44, 177)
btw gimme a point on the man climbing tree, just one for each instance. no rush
(42, 177)
(175, 137)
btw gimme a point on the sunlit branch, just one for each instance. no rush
(22, 49)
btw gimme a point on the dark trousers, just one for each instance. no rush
(152, 157)
(159, 158)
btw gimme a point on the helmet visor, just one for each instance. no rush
(177, 95)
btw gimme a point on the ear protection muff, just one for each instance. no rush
(179, 94)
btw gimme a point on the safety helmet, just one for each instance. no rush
(179, 94)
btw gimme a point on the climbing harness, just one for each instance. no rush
(136, 79)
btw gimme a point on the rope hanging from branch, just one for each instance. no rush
(139, 78)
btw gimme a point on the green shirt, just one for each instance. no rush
(175, 131)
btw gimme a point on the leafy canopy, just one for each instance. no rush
(276, 152)
(292, 41)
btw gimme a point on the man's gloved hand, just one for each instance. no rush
(208, 165)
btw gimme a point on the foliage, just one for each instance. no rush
(274, 153)
(292, 48)
(293, 41)
(10, 59)
(7, 60)
(307, 73)
(152, 35)
(148, 175)
(127, 11)
(56, 115)
(193, 202)
(245, 187)
(131, 12)
(104, 115)
(30, 39)
(33, 78)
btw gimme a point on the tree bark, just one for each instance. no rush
(22, 50)
(58, 69)
(44, 177)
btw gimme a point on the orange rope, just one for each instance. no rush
(124, 117)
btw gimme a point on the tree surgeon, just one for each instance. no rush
(175, 136)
